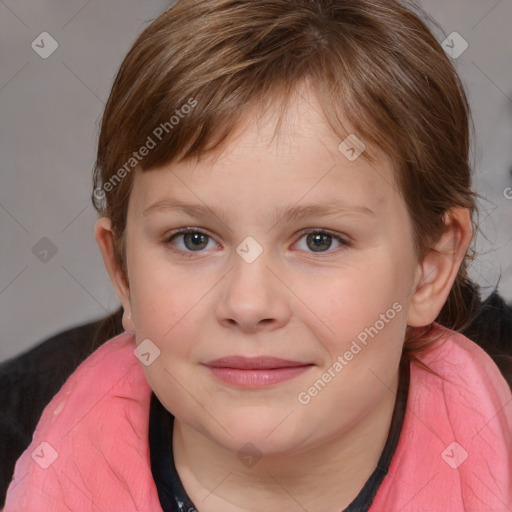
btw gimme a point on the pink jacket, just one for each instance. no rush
(90, 449)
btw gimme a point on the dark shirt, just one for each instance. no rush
(173, 497)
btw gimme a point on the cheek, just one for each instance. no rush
(162, 296)
(358, 298)
(363, 343)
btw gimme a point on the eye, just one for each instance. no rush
(193, 240)
(320, 240)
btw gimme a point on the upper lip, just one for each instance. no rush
(253, 363)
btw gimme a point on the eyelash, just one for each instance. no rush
(187, 254)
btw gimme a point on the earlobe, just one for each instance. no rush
(438, 270)
(105, 240)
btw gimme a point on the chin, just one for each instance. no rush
(266, 436)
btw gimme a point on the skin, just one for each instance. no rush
(291, 302)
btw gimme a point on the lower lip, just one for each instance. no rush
(257, 378)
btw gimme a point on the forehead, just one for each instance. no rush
(267, 159)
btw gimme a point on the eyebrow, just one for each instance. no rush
(330, 208)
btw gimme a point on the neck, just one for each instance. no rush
(326, 477)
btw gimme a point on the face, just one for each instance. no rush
(280, 316)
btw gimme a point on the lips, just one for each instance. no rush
(254, 363)
(255, 372)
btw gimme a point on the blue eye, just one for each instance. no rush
(194, 240)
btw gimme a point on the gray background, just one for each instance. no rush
(50, 114)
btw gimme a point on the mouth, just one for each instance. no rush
(255, 372)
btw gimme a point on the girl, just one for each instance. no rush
(285, 213)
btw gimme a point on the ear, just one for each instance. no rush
(105, 239)
(438, 270)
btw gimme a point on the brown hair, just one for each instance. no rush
(373, 63)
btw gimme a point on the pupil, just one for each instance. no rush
(319, 241)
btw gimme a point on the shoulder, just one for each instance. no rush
(107, 381)
(29, 381)
(464, 366)
(465, 402)
(454, 451)
(462, 384)
(94, 431)
(110, 371)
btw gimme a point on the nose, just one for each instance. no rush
(253, 297)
